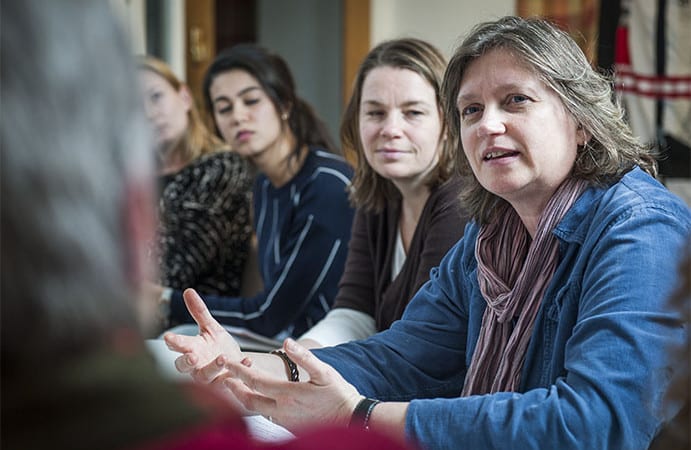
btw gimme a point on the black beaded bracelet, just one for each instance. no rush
(292, 368)
(362, 413)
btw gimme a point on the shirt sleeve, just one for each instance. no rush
(341, 325)
(427, 345)
(311, 262)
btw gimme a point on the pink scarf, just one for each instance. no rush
(513, 274)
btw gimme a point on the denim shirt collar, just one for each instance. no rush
(573, 228)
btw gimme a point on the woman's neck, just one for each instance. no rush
(171, 158)
(278, 163)
(531, 211)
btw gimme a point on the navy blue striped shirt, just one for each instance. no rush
(303, 229)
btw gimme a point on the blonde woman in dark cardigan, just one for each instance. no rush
(405, 189)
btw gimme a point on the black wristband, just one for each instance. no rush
(292, 368)
(362, 413)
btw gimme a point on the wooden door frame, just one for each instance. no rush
(356, 41)
(200, 43)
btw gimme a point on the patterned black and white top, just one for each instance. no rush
(205, 228)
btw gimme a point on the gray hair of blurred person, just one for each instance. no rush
(555, 58)
(74, 144)
(370, 190)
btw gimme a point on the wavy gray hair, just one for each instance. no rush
(72, 134)
(558, 61)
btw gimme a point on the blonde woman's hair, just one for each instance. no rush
(198, 140)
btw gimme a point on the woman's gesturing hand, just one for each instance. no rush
(325, 398)
(199, 352)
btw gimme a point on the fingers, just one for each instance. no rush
(220, 388)
(199, 312)
(211, 371)
(246, 361)
(179, 342)
(318, 371)
(186, 363)
(251, 400)
(256, 380)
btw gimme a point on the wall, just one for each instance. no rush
(174, 51)
(131, 14)
(307, 33)
(441, 22)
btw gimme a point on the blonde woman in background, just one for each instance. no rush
(204, 228)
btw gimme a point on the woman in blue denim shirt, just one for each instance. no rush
(546, 325)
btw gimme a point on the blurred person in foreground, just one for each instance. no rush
(76, 215)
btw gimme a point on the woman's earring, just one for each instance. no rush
(284, 116)
(581, 136)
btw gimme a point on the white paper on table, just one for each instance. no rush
(262, 430)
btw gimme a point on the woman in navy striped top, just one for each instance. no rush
(302, 216)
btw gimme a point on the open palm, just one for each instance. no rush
(200, 351)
